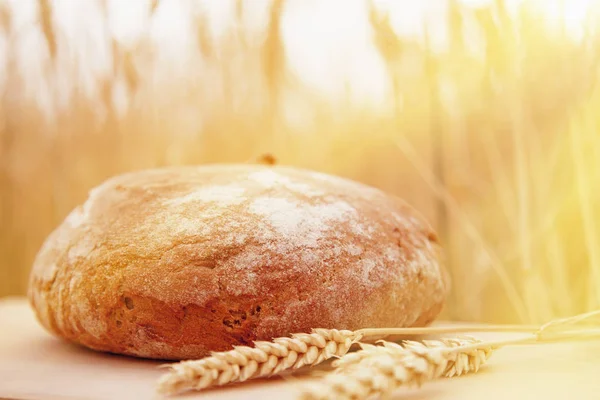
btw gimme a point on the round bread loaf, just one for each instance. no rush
(177, 262)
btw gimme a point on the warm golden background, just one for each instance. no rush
(483, 115)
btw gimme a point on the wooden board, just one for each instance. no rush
(35, 365)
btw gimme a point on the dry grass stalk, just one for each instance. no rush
(379, 370)
(5, 19)
(265, 359)
(153, 7)
(47, 26)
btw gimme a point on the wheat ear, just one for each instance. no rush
(470, 356)
(264, 359)
(379, 370)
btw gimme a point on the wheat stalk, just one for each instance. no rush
(373, 370)
(473, 353)
(467, 359)
(264, 359)
(270, 358)
(379, 373)
(379, 370)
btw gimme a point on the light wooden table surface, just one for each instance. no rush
(35, 365)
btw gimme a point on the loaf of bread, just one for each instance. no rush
(177, 262)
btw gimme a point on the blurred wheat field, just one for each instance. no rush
(490, 131)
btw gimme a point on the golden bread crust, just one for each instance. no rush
(174, 263)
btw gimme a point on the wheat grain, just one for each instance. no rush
(460, 361)
(379, 370)
(379, 373)
(264, 359)
(463, 360)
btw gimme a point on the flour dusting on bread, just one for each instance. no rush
(301, 222)
(224, 195)
(269, 178)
